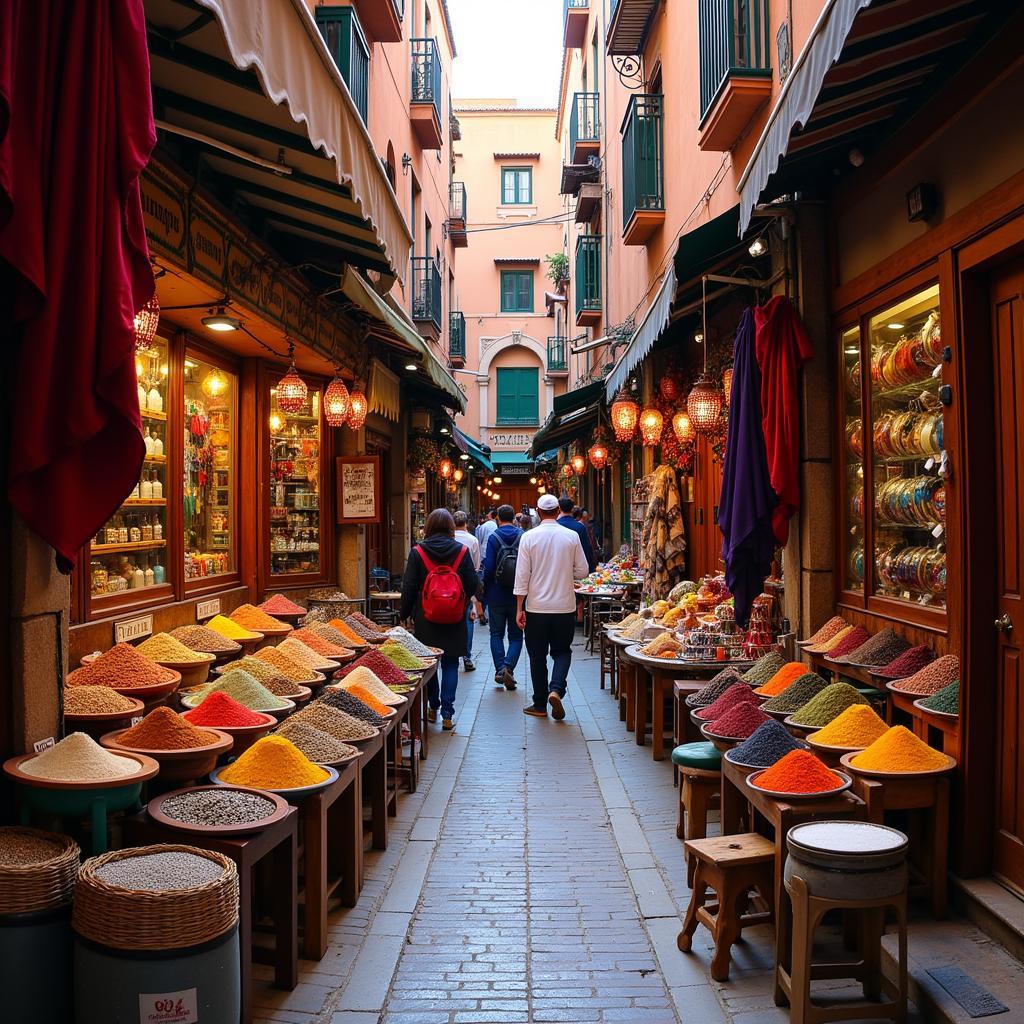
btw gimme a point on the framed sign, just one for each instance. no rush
(358, 482)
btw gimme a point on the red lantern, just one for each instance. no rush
(625, 413)
(598, 456)
(336, 402)
(567, 472)
(358, 407)
(445, 469)
(682, 426)
(579, 465)
(651, 423)
(291, 391)
(457, 476)
(704, 404)
(669, 387)
(146, 321)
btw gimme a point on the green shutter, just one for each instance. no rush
(517, 291)
(524, 293)
(518, 396)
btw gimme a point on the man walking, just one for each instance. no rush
(570, 522)
(500, 561)
(485, 529)
(463, 536)
(550, 559)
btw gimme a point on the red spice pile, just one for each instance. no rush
(798, 772)
(738, 693)
(123, 667)
(381, 666)
(219, 710)
(857, 636)
(278, 604)
(907, 663)
(739, 721)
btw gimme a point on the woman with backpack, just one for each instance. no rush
(438, 585)
(499, 579)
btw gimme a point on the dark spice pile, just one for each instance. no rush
(352, 706)
(797, 694)
(857, 636)
(764, 668)
(768, 743)
(879, 650)
(716, 686)
(737, 693)
(829, 704)
(909, 662)
(380, 665)
(739, 722)
(947, 700)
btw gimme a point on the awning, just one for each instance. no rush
(702, 248)
(866, 67)
(574, 415)
(654, 322)
(384, 392)
(511, 459)
(474, 449)
(252, 88)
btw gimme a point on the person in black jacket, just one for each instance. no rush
(442, 549)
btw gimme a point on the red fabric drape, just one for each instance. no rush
(782, 348)
(76, 129)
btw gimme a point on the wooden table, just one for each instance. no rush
(921, 723)
(374, 768)
(276, 847)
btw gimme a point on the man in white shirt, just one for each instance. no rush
(463, 536)
(550, 560)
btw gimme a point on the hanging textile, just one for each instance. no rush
(747, 502)
(76, 129)
(664, 538)
(782, 348)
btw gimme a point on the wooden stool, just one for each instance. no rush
(732, 866)
(607, 662)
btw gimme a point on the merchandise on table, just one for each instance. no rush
(739, 722)
(164, 729)
(96, 700)
(797, 694)
(856, 637)
(714, 689)
(256, 667)
(219, 711)
(879, 650)
(899, 750)
(79, 758)
(159, 872)
(162, 647)
(251, 617)
(932, 677)
(626, 622)
(799, 772)
(231, 629)
(319, 746)
(402, 636)
(273, 762)
(367, 697)
(635, 630)
(665, 645)
(320, 645)
(332, 635)
(737, 693)
(334, 722)
(786, 675)
(827, 705)
(362, 676)
(217, 807)
(240, 686)
(382, 667)
(347, 633)
(204, 640)
(305, 656)
(825, 646)
(285, 664)
(857, 726)
(828, 631)
(122, 666)
(769, 742)
(946, 700)
(403, 658)
(278, 604)
(365, 631)
(909, 662)
(764, 668)
(345, 701)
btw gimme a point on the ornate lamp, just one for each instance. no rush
(579, 465)
(215, 383)
(704, 402)
(651, 422)
(625, 413)
(276, 422)
(598, 455)
(336, 403)
(291, 388)
(445, 469)
(358, 407)
(146, 321)
(682, 426)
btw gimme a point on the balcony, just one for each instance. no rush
(588, 202)
(643, 169)
(425, 94)
(456, 339)
(558, 362)
(426, 296)
(585, 126)
(587, 282)
(735, 69)
(457, 214)
(382, 19)
(628, 26)
(576, 14)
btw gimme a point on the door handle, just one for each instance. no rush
(1004, 623)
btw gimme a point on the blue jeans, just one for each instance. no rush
(500, 619)
(469, 629)
(443, 696)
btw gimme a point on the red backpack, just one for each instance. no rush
(443, 597)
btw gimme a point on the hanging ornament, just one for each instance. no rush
(291, 388)
(567, 471)
(276, 422)
(445, 469)
(704, 404)
(579, 465)
(651, 422)
(336, 403)
(625, 413)
(358, 407)
(669, 387)
(682, 426)
(727, 385)
(146, 321)
(458, 475)
(215, 383)
(598, 455)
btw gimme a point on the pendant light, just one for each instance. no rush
(598, 455)
(579, 464)
(625, 413)
(291, 388)
(276, 422)
(336, 403)
(445, 469)
(704, 402)
(358, 408)
(146, 321)
(457, 476)
(682, 426)
(651, 423)
(215, 383)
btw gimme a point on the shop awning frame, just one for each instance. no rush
(478, 452)
(573, 416)
(654, 322)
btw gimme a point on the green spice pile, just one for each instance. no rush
(828, 704)
(764, 668)
(160, 872)
(797, 694)
(162, 647)
(403, 658)
(402, 636)
(240, 686)
(947, 700)
(217, 807)
(319, 746)
(334, 722)
(96, 700)
(207, 641)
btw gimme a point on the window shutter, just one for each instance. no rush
(528, 396)
(524, 297)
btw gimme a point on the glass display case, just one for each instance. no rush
(853, 495)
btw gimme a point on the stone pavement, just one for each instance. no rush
(534, 877)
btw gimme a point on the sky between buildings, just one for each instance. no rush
(510, 48)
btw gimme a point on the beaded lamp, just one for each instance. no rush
(682, 426)
(625, 413)
(651, 423)
(579, 465)
(146, 321)
(336, 403)
(358, 408)
(291, 388)
(598, 455)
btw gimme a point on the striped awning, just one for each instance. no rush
(866, 68)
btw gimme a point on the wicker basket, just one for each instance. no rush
(134, 919)
(321, 599)
(44, 884)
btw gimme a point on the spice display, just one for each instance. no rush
(258, 669)
(220, 711)
(909, 662)
(786, 675)
(163, 647)
(96, 700)
(217, 807)
(278, 604)
(946, 700)
(797, 694)
(402, 636)
(251, 617)
(365, 678)
(826, 645)
(737, 693)
(285, 665)
(664, 645)
(367, 697)
(857, 726)
(828, 704)
(740, 721)
(122, 666)
(22, 848)
(347, 633)
(361, 619)
(163, 729)
(626, 622)
(334, 722)
(635, 630)
(933, 677)
(856, 637)
(714, 689)
(401, 657)
(345, 701)
(764, 668)
(320, 644)
(878, 650)
(306, 656)
(240, 686)
(769, 742)
(367, 632)
(383, 668)
(899, 750)
(828, 631)
(319, 746)
(273, 762)
(333, 636)
(204, 640)
(279, 686)
(160, 872)
(798, 772)
(232, 630)
(79, 758)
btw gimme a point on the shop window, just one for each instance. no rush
(516, 186)
(854, 461)
(518, 398)
(517, 291)
(295, 487)
(347, 44)
(211, 445)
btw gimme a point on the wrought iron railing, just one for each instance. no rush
(457, 200)
(585, 122)
(456, 335)
(587, 281)
(557, 359)
(426, 290)
(426, 73)
(733, 40)
(643, 156)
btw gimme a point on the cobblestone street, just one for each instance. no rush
(534, 876)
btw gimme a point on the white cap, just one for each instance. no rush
(547, 503)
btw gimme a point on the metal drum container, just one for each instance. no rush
(35, 966)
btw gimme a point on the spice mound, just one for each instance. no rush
(304, 655)
(21, 848)
(220, 711)
(739, 722)
(909, 662)
(163, 647)
(160, 872)
(96, 700)
(79, 758)
(241, 687)
(879, 650)
(232, 630)
(347, 633)
(351, 705)
(217, 807)
(933, 677)
(334, 722)
(899, 750)
(825, 646)
(368, 681)
(251, 617)
(363, 694)
(122, 666)
(798, 772)
(797, 694)
(321, 645)
(204, 640)
(273, 762)
(319, 746)
(331, 635)
(826, 705)
(769, 742)
(359, 617)
(787, 673)
(163, 729)
(402, 636)
(764, 668)
(361, 625)
(858, 726)
(402, 657)
(286, 665)
(947, 700)
(828, 630)
(278, 604)
(382, 667)
(737, 693)
(855, 638)
(714, 689)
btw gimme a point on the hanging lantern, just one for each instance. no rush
(276, 422)
(579, 465)
(215, 383)
(336, 402)
(669, 387)
(598, 456)
(146, 321)
(727, 385)
(533, 480)
(651, 422)
(704, 404)
(567, 471)
(458, 475)
(291, 388)
(358, 407)
(445, 469)
(625, 413)
(542, 489)
(682, 425)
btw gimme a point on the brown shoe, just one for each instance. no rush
(431, 714)
(447, 724)
(535, 712)
(557, 711)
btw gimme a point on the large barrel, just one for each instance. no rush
(35, 966)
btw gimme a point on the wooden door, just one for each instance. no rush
(1008, 359)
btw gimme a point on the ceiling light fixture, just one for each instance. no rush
(219, 320)
(411, 367)
(758, 247)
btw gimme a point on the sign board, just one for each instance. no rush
(512, 469)
(358, 483)
(169, 1007)
(207, 609)
(517, 440)
(133, 629)
(40, 745)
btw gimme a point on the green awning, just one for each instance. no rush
(478, 452)
(579, 398)
(511, 458)
(703, 247)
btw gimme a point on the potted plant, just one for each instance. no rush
(558, 269)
